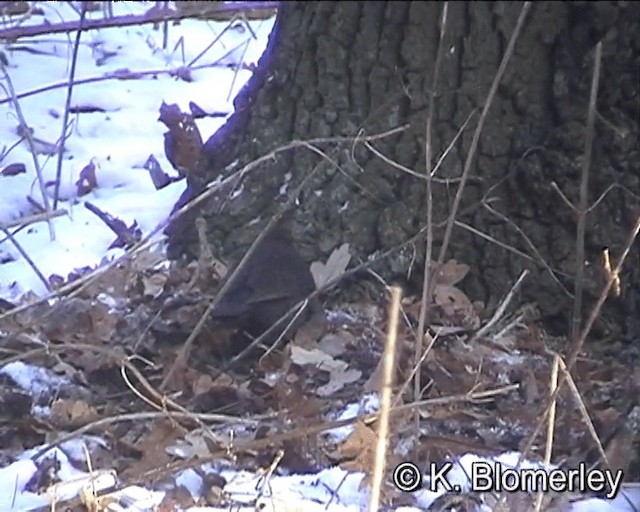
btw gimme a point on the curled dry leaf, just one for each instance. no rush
(159, 178)
(13, 169)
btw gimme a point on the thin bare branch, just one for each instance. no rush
(476, 135)
(29, 138)
(119, 74)
(501, 309)
(427, 282)
(584, 194)
(67, 105)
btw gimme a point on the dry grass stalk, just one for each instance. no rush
(584, 194)
(386, 390)
(427, 283)
(553, 384)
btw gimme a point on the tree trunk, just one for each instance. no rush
(343, 69)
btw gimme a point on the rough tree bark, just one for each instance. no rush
(346, 68)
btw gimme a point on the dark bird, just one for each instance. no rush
(273, 280)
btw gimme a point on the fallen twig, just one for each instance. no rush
(127, 235)
(38, 217)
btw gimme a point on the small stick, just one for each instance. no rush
(127, 236)
(428, 282)
(553, 384)
(501, 309)
(37, 217)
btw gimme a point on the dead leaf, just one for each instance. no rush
(202, 384)
(159, 178)
(154, 447)
(451, 299)
(310, 332)
(339, 372)
(335, 343)
(72, 413)
(334, 268)
(358, 449)
(13, 169)
(451, 272)
(295, 401)
(316, 358)
(337, 381)
(154, 284)
(147, 259)
(193, 445)
(374, 382)
(87, 180)
(104, 323)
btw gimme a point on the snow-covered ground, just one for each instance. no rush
(119, 136)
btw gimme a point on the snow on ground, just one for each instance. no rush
(332, 489)
(119, 138)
